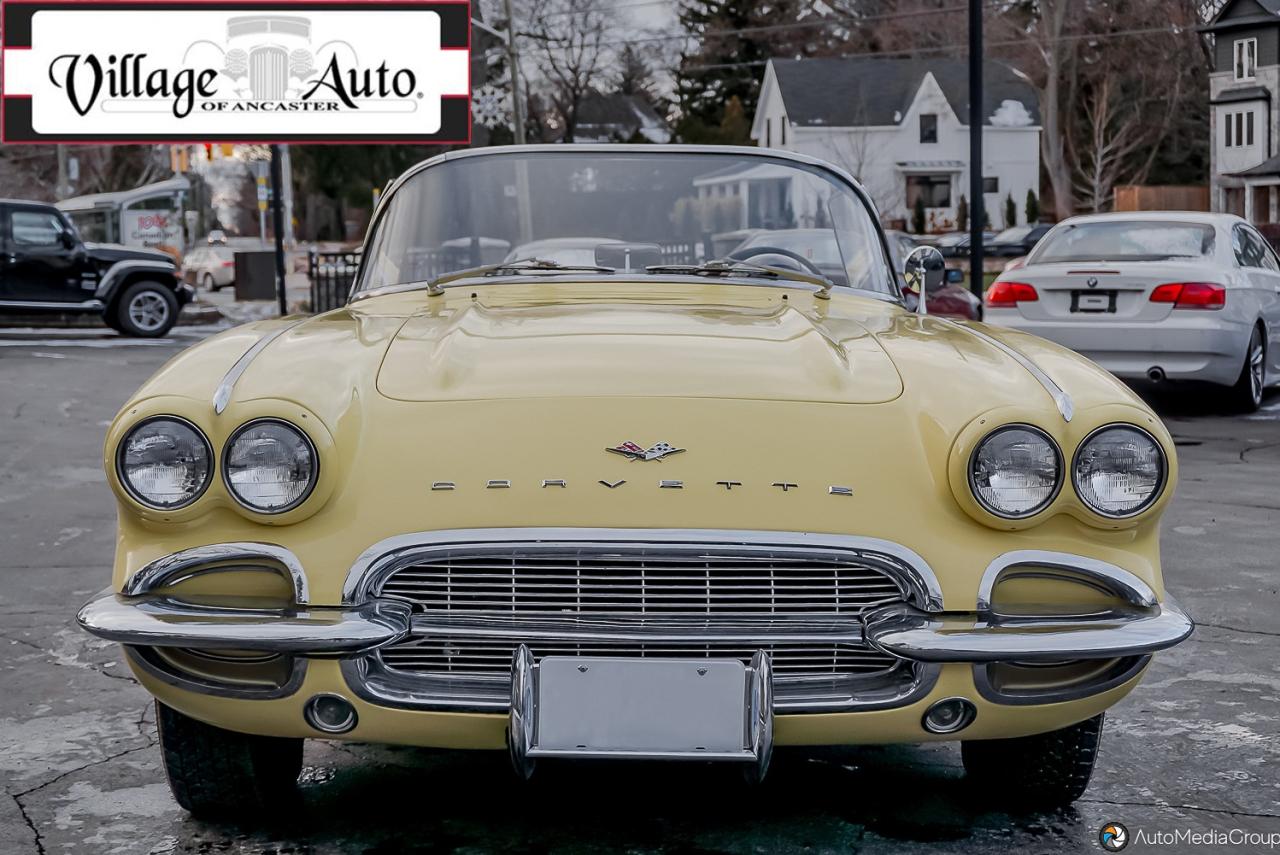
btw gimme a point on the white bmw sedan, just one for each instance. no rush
(1155, 295)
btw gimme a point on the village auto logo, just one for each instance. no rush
(208, 71)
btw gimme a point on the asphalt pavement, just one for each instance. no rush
(1194, 750)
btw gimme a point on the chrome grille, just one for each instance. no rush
(635, 592)
(492, 657)
(645, 582)
(268, 73)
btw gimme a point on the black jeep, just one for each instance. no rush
(44, 266)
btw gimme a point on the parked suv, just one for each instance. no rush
(44, 266)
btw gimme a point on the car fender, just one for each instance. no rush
(117, 273)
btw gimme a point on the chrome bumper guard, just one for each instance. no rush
(156, 620)
(942, 638)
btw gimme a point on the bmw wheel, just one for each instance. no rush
(1246, 394)
(146, 309)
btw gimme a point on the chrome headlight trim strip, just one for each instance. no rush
(222, 395)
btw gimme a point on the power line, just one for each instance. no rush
(944, 48)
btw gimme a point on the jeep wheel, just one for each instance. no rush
(209, 284)
(216, 773)
(1043, 771)
(1246, 394)
(146, 309)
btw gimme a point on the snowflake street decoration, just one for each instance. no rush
(490, 106)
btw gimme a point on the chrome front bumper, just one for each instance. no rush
(155, 620)
(148, 617)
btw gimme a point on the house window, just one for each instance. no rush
(935, 190)
(1226, 122)
(928, 127)
(1246, 53)
(782, 129)
(1248, 128)
(768, 133)
(1239, 128)
(990, 184)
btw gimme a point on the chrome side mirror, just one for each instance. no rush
(924, 270)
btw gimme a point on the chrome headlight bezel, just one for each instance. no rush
(132, 491)
(1059, 462)
(1156, 493)
(226, 460)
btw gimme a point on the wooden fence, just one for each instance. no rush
(1136, 197)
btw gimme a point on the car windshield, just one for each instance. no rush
(1125, 240)
(1012, 235)
(624, 211)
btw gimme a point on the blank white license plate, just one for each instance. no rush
(1093, 302)
(590, 706)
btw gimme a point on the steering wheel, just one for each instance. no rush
(753, 251)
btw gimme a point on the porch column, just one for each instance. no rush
(1273, 209)
(1248, 201)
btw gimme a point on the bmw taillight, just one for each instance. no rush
(1191, 295)
(1007, 295)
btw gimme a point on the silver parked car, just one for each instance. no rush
(1155, 295)
(210, 267)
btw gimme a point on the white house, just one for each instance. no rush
(900, 126)
(1243, 88)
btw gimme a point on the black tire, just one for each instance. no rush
(1047, 770)
(218, 774)
(1246, 395)
(208, 282)
(146, 310)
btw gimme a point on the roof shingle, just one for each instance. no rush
(879, 90)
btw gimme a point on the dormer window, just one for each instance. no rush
(928, 127)
(1246, 54)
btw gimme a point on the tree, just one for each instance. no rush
(962, 214)
(730, 42)
(917, 216)
(635, 75)
(569, 39)
(1010, 211)
(1032, 209)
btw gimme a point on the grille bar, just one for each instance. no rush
(443, 656)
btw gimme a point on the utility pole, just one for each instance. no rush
(277, 219)
(63, 188)
(513, 60)
(977, 208)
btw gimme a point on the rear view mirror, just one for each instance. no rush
(628, 256)
(924, 271)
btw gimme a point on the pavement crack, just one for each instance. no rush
(1224, 811)
(1238, 629)
(61, 775)
(37, 837)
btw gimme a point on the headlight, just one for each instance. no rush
(270, 466)
(164, 463)
(1015, 471)
(1119, 470)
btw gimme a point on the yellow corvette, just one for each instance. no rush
(587, 467)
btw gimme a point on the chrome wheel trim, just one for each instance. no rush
(1257, 369)
(148, 311)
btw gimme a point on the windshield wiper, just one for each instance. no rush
(520, 265)
(730, 267)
